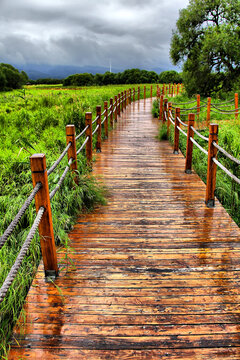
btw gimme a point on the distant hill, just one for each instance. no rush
(62, 71)
(59, 71)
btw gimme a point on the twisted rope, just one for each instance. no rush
(95, 119)
(57, 162)
(103, 112)
(83, 132)
(94, 132)
(13, 272)
(198, 134)
(83, 144)
(104, 120)
(181, 122)
(19, 215)
(185, 103)
(183, 132)
(226, 171)
(226, 153)
(199, 146)
(53, 193)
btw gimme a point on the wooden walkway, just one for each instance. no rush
(157, 272)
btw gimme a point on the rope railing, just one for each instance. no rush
(19, 215)
(57, 162)
(83, 132)
(198, 146)
(41, 194)
(226, 170)
(83, 145)
(212, 142)
(53, 193)
(198, 134)
(14, 270)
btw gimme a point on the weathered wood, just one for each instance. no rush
(208, 111)
(198, 105)
(176, 131)
(116, 108)
(156, 271)
(88, 123)
(212, 167)
(168, 120)
(72, 151)
(42, 199)
(161, 108)
(189, 150)
(165, 109)
(106, 121)
(99, 131)
(119, 105)
(236, 105)
(111, 112)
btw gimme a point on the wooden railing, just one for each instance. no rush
(166, 115)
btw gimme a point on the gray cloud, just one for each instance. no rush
(133, 33)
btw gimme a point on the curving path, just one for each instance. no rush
(157, 272)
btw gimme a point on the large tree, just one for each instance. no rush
(207, 42)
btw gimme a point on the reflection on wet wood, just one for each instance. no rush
(156, 272)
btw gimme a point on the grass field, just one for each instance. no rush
(33, 120)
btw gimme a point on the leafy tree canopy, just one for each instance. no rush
(207, 41)
(11, 78)
(170, 76)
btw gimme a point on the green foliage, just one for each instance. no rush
(155, 109)
(170, 76)
(130, 76)
(162, 135)
(207, 41)
(11, 78)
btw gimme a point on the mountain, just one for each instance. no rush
(59, 71)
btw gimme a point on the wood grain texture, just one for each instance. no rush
(156, 271)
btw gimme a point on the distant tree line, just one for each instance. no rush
(130, 76)
(11, 78)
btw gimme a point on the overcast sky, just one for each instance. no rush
(132, 33)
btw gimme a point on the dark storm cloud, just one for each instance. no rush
(133, 33)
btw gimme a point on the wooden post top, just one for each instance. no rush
(38, 162)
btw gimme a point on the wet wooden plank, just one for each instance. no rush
(156, 272)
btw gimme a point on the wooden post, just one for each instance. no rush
(133, 94)
(161, 108)
(116, 108)
(111, 112)
(138, 92)
(212, 167)
(144, 92)
(99, 131)
(165, 103)
(106, 121)
(163, 89)
(42, 199)
(72, 151)
(236, 105)
(176, 131)
(88, 122)
(198, 105)
(177, 89)
(208, 110)
(151, 91)
(169, 89)
(172, 90)
(130, 96)
(125, 99)
(189, 150)
(168, 122)
(122, 105)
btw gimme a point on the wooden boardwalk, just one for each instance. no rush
(157, 272)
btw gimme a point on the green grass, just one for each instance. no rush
(33, 120)
(227, 191)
